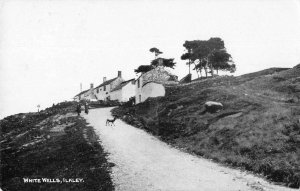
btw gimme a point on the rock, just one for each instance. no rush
(180, 107)
(213, 107)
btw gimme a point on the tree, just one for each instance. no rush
(200, 53)
(214, 44)
(187, 56)
(208, 55)
(232, 68)
(220, 60)
(201, 65)
(143, 68)
(167, 62)
(156, 51)
(196, 51)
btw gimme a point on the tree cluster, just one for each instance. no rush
(143, 68)
(208, 55)
(166, 62)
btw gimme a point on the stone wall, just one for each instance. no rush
(159, 74)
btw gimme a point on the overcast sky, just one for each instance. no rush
(49, 47)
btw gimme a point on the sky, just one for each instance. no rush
(49, 47)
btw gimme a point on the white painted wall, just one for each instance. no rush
(128, 91)
(138, 90)
(102, 94)
(152, 89)
(159, 75)
(124, 93)
(116, 95)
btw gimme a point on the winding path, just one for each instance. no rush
(145, 163)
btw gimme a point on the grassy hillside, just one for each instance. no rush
(53, 144)
(258, 129)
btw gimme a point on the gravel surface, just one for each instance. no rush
(143, 162)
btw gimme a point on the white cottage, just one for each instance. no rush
(102, 92)
(89, 94)
(79, 96)
(86, 95)
(124, 91)
(151, 83)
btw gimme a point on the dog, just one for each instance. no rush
(111, 121)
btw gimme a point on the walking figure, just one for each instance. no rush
(78, 109)
(86, 108)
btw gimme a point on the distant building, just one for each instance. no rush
(102, 92)
(152, 83)
(149, 84)
(86, 95)
(79, 96)
(89, 94)
(124, 91)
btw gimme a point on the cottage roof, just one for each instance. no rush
(82, 92)
(106, 82)
(121, 85)
(168, 83)
(160, 75)
(152, 82)
(159, 69)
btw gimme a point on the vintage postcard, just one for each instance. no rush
(150, 95)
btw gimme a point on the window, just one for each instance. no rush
(104, 88)
(97, 90)
(138, 83)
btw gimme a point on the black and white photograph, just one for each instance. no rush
(149, 95)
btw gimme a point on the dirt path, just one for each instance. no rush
(145, 163)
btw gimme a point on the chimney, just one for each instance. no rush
(160, 62)
(104, 79)
(80, 87)
(119, 74)
(92, 85)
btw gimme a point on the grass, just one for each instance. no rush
(30, 148)
(258, 129)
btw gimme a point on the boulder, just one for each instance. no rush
(213, 107)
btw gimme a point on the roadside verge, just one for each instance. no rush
(52, 150)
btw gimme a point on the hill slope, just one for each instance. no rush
(258, 129)
(53, 144)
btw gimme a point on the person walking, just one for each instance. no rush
(86, 108)
(78, 109)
